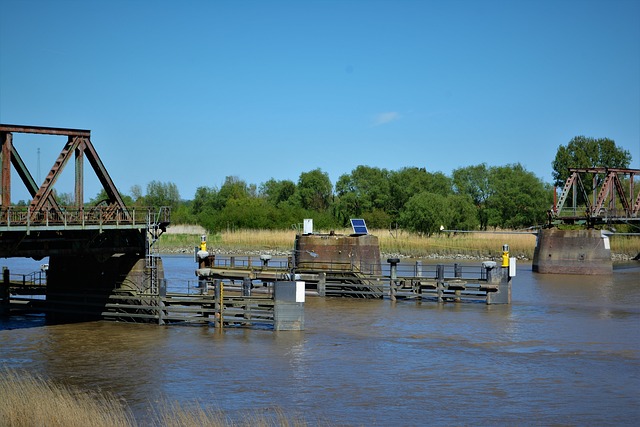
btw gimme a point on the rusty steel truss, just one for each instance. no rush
(44, 227)
(43, 200)
(613, 198)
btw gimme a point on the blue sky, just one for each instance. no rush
(190, 92)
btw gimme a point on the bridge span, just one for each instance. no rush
(594, 198)
(93, 250)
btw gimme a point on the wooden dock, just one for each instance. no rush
(486, 282)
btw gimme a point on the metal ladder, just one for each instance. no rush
(155, 228)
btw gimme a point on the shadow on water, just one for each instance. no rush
(36, 320)
(22, 321)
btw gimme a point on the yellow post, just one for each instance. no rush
(505, 255)
(203, 243)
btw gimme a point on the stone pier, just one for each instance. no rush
(572, 252)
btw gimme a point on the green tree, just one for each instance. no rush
(425, 213)
(101, 196)
(518, 198)
(249, 213)
(473, 181)
(315, 190)
(235, 188)
(205, 199)
(463, 214)
(64, 199)
(277, 192)
(406, 182)
(584, 152)
(182, 214)
(136, 194)
(162, 194)
(363, 191)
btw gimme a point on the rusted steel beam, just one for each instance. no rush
(46, 188)
(79, 183)
(5, 187)
(44, 130)
(636, 207)
(27, 179)
(103, 176)
(606, 170)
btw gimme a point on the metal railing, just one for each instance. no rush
(20, 217)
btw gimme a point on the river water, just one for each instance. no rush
(565, 352)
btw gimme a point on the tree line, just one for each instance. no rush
(476, 197)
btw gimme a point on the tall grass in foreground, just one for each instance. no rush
(401, 243)
(27, 400)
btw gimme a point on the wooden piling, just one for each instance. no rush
(5, 296)
(440, 281)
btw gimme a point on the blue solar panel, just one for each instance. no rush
(359, 226)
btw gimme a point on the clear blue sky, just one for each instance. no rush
(192, 91)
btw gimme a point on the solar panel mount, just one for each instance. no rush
(359, 226)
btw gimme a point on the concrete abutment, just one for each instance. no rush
(572, 252)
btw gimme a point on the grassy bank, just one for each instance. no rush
(27, 401)
(400, 243)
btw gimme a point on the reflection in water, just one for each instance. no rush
(567, 351)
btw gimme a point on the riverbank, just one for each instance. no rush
(392, 245)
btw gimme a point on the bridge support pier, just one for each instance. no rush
(572, 252)
(79, 287)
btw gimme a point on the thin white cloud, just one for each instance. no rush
(384, 118)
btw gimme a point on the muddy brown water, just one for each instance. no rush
(565, 352)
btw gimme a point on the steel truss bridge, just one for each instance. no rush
(44, 228)
(613, 199)
(93, 251)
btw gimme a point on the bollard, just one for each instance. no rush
(394, 276)
(265, 260)
(488, 267)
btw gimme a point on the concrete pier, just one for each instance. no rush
(337, 252)
(572, 252)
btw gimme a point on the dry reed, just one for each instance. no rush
(27, 400)
(401, 243)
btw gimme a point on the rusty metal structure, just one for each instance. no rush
(614, 198)
(43, 203)
(43, 227)
(94, 251)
